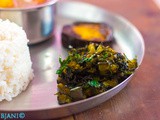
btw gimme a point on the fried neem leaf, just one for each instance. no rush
(91, 70)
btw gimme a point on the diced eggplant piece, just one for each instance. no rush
(80, 34)
(77, 93)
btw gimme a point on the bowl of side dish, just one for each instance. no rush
(36, 17)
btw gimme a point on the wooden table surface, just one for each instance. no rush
(140, 100)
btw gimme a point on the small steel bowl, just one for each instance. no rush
(38, 21)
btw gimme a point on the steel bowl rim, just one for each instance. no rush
(48, 3)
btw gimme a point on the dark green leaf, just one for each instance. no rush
(59, 71)
(63, 65)
(105, 55)
(77, 56)
(87, 59)
(94, 83)
(60, 60)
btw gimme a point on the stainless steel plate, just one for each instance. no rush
(39, 101)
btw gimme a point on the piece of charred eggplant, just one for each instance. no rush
(91, 70)
(79, 34)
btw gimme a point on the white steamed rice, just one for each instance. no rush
(15, 63)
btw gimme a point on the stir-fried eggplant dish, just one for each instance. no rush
(91, 70)
(79, 34)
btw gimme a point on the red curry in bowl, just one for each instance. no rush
(20, 3)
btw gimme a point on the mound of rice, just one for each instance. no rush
(15, 63)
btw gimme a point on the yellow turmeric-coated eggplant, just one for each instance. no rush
(79, 34)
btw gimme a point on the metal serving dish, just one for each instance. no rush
(39, 101)
(37, 21)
